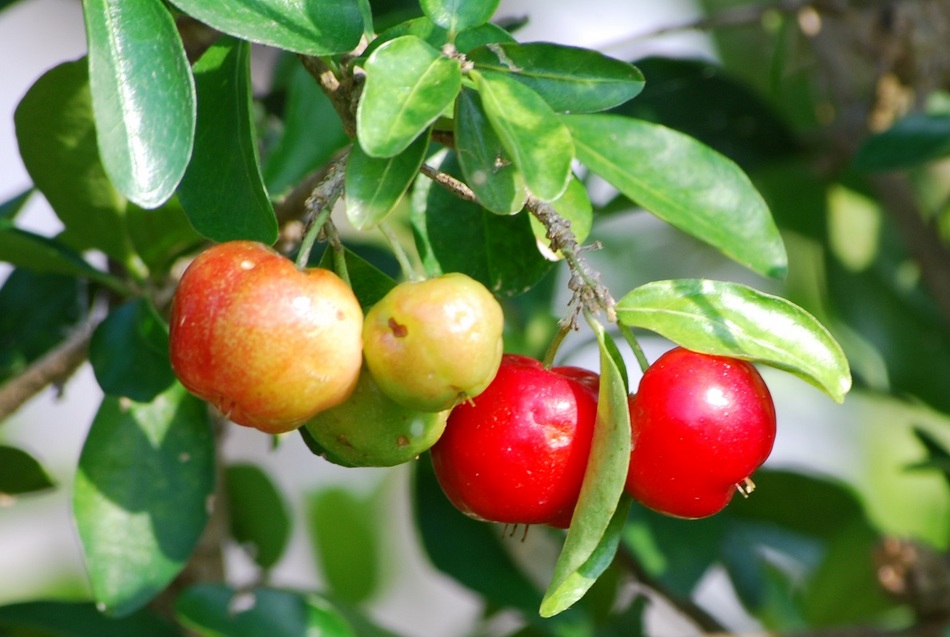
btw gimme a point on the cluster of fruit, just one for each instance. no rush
(279, 348)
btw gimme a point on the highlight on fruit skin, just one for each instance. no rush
(435, 343)
(268, 344)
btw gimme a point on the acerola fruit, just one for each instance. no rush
(369, 429)
(701, 425)
(431, 344)
(268, 344)
(517, 453)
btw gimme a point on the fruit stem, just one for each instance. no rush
(564, 328)
(399, 252)
(319, 205)
(634, 345)
(339, 252)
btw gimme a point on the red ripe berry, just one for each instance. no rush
(517, 453)
(701, 425)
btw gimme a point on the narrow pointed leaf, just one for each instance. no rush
(730, 319)
(42, 254)
(408, 86)
(140, 498)
(685, 183)
(10, 208)
(21, 473)
(223, 192)
(570, 79)
(57, 140)
(598, 520)
(311, 28)
(456, 15)
(374, 185)
(143, 96)
(488, 171)
(536, 140)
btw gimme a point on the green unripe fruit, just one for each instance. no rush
(432, 344)
(371, 430)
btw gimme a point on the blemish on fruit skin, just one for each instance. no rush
(399, 331)
(402, 441)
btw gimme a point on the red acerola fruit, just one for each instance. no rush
(701, 425)
(517, 452)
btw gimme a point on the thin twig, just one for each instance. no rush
(55, 368)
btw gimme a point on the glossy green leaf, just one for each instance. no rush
(408, 86)
(37, 311)
(41, 254)
(911, 141)
(21, 473)
(536, 140)
(595, 530)
(260, 519)
(481, 35)
(214, 610)
(311, 28)
(731, 319)
(421, 27)
(574, 207)
(222, 191)
(343, 527)
(143, 96)
(79, 619)
(685, 183)
(458, 236)
(488, 171)
(570, 79)
(469, 551)
(311, 135)
(140, 499)
(57, 140)
(456, 15)
(129, 352)
(375, 185)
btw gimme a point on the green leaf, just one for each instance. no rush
(421, 27)
(143, 96)
(374, 185)
(222, 191)
(129, 352)
(685, 183)
(570, 79)
(408, 86)
(57, 140)
(369, 283)
(730, 319)
(72, 619)
(140, 498)
(911, 141)
(536, 140)
(456, 15)
(342, 526)
(488, 171)
(41, 254)
(459, 236)
(260, 520)
(21, 473)
(595, 530)
(214, 610)
(37, 311)
(311, 28)
(481, 35)
(312, 133)
(10, 208)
